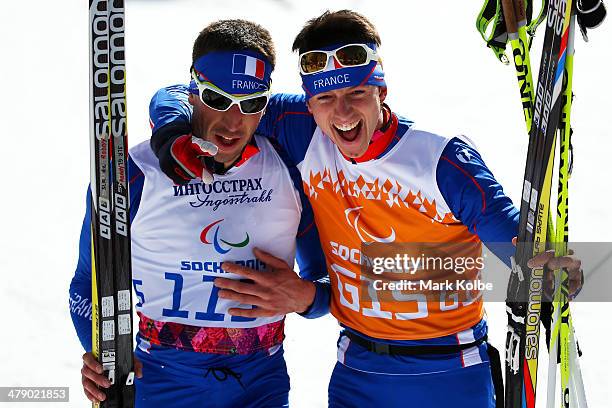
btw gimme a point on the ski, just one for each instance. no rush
(110, 240)
(562, 338)
(514, 13)
(103, 304)
(122, 242)
(515, 19)
(524, 293)
(559, 339)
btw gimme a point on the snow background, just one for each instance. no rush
(439, 73)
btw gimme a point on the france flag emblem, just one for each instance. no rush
(247, 65)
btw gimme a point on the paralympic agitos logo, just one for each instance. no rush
(221, 245)
(362, 232)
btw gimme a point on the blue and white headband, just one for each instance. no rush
(337, 77)
(237, 73)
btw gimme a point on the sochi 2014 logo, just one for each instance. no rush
(221, 246)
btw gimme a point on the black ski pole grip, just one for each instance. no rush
(590, 13)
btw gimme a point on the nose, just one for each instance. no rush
(342, 107)
(233, 118)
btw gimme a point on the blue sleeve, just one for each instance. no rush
(320, 304)
(169, 105)
(80, 286)
(309, 257)
(286, 119)
(311, 261)
(476, 198)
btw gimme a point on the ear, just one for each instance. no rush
(191, 99)
(382, 93)
(308, 106)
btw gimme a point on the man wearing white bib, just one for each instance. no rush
(192, 351)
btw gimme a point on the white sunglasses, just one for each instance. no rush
(221, 101)
(350, 55)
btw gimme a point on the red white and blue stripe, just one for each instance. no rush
(247, 65)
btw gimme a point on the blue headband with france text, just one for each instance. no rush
(238, 73)
(336, 77)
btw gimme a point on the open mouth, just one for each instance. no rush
(348, 131)
(226, 141)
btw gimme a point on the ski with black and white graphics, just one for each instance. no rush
(525, 286)
(103, 300)
(121, 204)
(111, 261)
